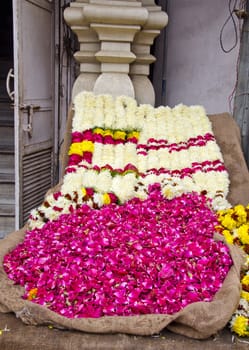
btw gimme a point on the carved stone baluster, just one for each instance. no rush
(116, 22)
(89, 45)
(115, 37)
(139, 70)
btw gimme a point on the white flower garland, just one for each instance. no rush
(175, 147)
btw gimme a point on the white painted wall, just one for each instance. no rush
(197, 70)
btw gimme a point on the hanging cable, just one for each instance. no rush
(232, 18)
(241, 13)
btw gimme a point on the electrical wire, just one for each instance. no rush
(232, 18)
(233, 95)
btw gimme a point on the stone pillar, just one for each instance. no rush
(115, 37)
(89, 45)
(139, 70)
(116, 22)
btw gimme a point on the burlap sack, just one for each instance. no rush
(198, 320)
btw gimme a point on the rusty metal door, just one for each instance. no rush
(33, 103)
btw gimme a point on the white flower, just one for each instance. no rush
(140, 118)
(89, 178)
(107, 155)
(130, 154)
(98, 199)
(123, 186)
(141, 163)
(119, 159)
(97, 154)
(143, 115)
(188, 184)
(32, 224)
(140, 190)
(220, 203)
(152, 159)
(72, 182)
(150, 179)
(243, 309)
(164, 158)
(131, 122)
(109, 112)
(84, 107)
(162, 117)
(103, 182)
(120, 110)
(99, 116)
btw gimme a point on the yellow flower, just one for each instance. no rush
(107, 132)
(133, 134)
(119, 135)
(83, 190)
(228, 236)
(32, 293)
(243, 233)
(87, 146)
(228, 222)
(75, 148)
(247, 261)
(80, 147)
(245, 280)
(245, 295)
(240, 211)
(106, 198)
(98, 131)
(240, 325)
(222, 212)
(168, 193)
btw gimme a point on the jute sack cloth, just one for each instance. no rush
(198, 320)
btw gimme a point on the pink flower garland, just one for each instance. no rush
(144, 257)
(154, 144)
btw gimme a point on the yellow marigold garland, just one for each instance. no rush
(81, 147)
(234, 225)
(240, 326)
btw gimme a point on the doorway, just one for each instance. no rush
(7, 177)
(34, 42)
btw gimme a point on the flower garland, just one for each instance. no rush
(234, 225)
(121, 148)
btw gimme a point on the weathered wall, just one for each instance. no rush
(197, 70)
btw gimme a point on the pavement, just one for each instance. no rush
(19, 336)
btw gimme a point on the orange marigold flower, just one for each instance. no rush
(32, 293)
